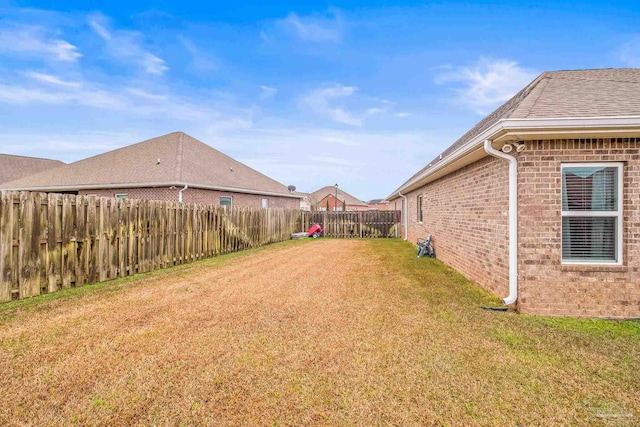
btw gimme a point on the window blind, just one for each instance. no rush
(590, 213)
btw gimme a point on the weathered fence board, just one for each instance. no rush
(369, 224)
(50, 242)
(6, 247)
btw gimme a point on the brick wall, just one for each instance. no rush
(466, 213)
(196, 195)
(547, 286)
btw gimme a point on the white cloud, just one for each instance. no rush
(327, 28)
(343, 156)
(143, 94)
(267, 92)
(47, 89)
(630, 53)
(402, 115)
(200, 60)
(36, 41)
(127, 46)
(485, 85)
(320, 101)
(51, 79)
(374, 110)
(71, 146)
(324, 101)
(70, 95)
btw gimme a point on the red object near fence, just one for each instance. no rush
(314, 231)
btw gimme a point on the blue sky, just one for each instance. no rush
(362, 94)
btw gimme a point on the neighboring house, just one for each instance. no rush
(305, 201)
(558, 232)
(378, 205)
(173, 167)
(325, 199)
(16, 167)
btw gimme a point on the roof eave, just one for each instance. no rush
(506, 130)
(153, 184)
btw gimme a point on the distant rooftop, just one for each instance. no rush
(16, 167)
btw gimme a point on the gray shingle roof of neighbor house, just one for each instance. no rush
(172, 159)
(331, 190)
(558, 96)
(16, 167)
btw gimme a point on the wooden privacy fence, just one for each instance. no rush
(358, 224)
(50, 242)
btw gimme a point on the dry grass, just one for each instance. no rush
(329, 332)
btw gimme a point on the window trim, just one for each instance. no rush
(618, 214)
(265, 201)
(419, 212)
(226, 197)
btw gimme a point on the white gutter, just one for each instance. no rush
(405, 215)
(530, 127)
(513, 220)
(151, 184)
(180, 193)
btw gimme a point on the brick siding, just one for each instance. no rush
(196, 195)
(546, 285)
(331, 200)
(467, 213)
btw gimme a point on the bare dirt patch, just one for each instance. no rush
(329, 332)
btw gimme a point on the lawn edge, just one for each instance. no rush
(10, 308)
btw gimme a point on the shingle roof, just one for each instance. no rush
(610, 92)
(331, 190)
(16, 167)
(172, 158)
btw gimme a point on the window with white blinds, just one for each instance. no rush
(592, 213)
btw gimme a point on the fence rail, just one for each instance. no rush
(358, 224)
(50, 242)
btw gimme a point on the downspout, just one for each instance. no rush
(180, 193)
(513, 220)
(405, 215)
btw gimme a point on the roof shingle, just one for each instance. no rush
(342, 195)
(173, 158)
(16, 167)
(611, 92)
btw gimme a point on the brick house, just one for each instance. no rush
(173, 167)
(540, 201)
(16, 167)
(325, 199)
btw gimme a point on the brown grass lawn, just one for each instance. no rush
(323, 332)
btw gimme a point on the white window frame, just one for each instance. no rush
(226, 197)
(419, 212)
(619, 214)
(265, 203)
